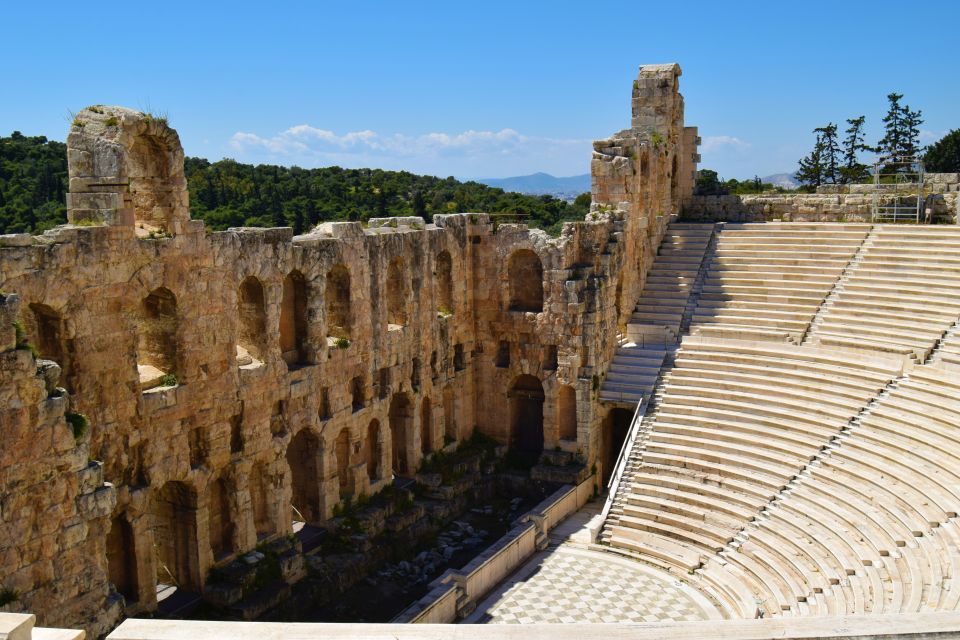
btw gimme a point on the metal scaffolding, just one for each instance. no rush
(899, 191)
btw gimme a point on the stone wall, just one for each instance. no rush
(239, 380)
(831, 203)
(54, 506)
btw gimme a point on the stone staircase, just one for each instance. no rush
(671, 284)
(657, 323)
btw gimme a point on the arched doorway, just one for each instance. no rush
(303, 456)
(401, 422)
(122, 559)
(614, 433)
(174, 523)
(526, 417)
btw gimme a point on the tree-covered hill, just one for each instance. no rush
(33, 184)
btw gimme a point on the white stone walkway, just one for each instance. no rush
(569, 583)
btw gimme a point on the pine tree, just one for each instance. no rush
(830, 153)
(811, 167)
(902, 133)
(854, 171)
(911, 130)
(892, 142)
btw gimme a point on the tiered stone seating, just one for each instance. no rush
(902, 296)
(872, 526)
(670, 281)
(767, 280)
(949, 356)
(736, 422)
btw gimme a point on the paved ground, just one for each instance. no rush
(569, 583)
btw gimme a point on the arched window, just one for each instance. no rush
(337, 297)
(444, 279)
(567, 413)
(373, 449)
(526, 281)
(526, 417)
(157, 347)
(252, 322)
(293, 319)
(396, 291)
(303, 457)
(426, 427)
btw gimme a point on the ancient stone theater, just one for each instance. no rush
(685, 417)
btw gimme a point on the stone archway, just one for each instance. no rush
(173, 517)
(122, 559)
(526, 417)
(303, 457)
(401, 426)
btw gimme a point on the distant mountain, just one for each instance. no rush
(542, 184)
(784, 180)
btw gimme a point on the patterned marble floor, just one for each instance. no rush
(570, 583)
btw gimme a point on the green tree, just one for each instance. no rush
(854, 171)
(830, 154)
(901, 132)
(943, 156)
(811, 172)
(708, 184)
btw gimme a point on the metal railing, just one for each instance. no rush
(614, 483)
(898, 189)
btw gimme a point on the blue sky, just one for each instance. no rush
(485, 89)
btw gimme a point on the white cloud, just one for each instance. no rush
(929, 136)
(472, 153)
(710, 144)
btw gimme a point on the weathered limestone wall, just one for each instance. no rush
(54, 506)
(831, 203)
(236, 381)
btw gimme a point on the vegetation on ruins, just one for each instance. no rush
(943, 156)
(78, 422)
(33, 185)
(710, 184)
